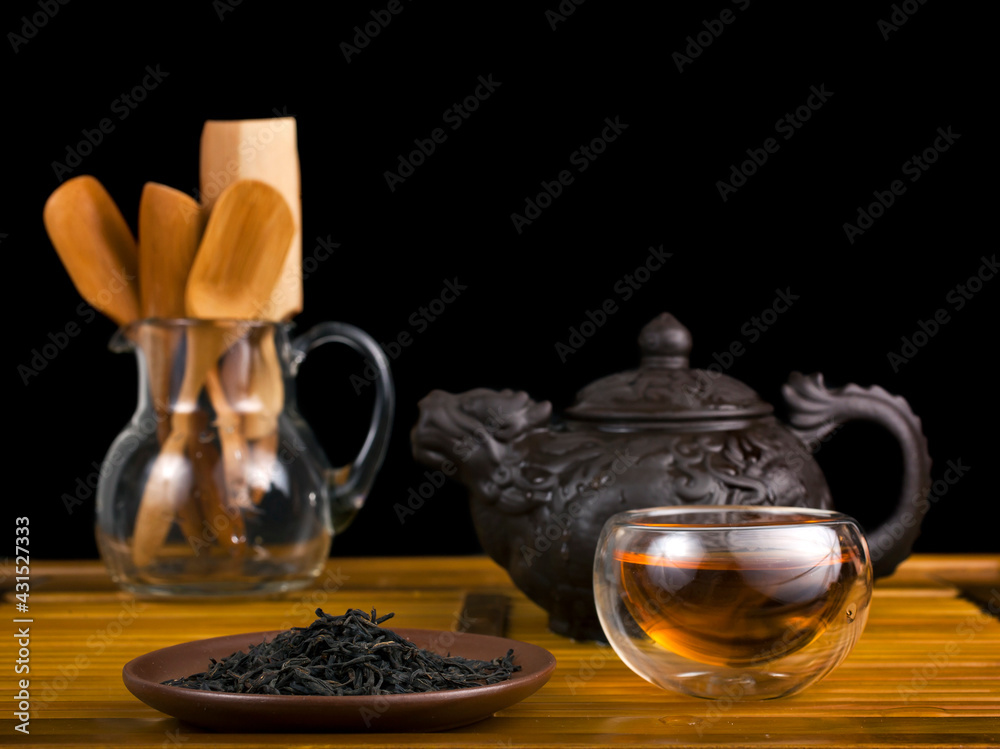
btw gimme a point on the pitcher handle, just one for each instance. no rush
(349, 484)
(817, 410)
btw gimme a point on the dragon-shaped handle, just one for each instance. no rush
(816, 410)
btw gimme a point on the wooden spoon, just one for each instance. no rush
(170, 228)
(100, 254)
(242, 302)
(234, 271)
(96, 246)
(171, 225)
(267, 150)
(241, 254)
(258, 381)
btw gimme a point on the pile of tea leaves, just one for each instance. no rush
(345, 655)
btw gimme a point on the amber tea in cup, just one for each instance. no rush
(762, 601)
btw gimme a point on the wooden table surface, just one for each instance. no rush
(925, 673)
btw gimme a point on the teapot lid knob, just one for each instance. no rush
(664, 390)
(665, 343)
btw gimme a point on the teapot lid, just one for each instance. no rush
(664, 387)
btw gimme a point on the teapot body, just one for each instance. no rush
(553, 516)
(539, 511)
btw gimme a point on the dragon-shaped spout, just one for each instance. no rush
(474, 431)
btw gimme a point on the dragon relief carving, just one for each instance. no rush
(740, 467)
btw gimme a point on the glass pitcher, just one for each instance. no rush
(217, 485)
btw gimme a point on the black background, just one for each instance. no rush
(656, 184)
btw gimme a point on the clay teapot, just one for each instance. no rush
(663, 434)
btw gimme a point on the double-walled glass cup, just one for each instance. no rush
(732, 602)
(217, 485)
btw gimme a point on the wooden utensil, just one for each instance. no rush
(264, 149)
(101, 256)
(96, 246)
(223, 283)
(170, 228)
(171, 224)
(256, 379)
(241, 251)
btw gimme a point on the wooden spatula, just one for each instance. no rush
(170, 228)
(241, 254)
(171, 225)
(234, 271)
(264, 150)
(96, 246)
(101, 256)
(267, 150)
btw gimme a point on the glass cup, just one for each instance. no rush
(217, 485)
(732, 602)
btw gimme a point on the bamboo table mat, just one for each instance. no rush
(925, 673)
